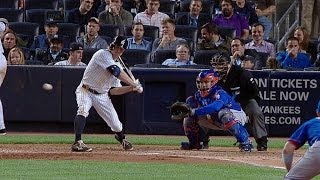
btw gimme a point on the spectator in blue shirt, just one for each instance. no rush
(182, 57)
(43, 41)
(137, 41)
(292, 58)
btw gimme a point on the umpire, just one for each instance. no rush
(241, 84)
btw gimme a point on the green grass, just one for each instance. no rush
(80, 169)
(43, 169)
(109, 139)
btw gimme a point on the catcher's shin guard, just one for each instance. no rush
(191, 130)
(234, 127)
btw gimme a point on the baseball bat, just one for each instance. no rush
(127, 69)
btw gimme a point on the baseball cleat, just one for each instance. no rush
(79, 146)
(3, 132)
(246, 147)
(126, 145)
(187, 146)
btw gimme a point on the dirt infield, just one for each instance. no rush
(164, 154)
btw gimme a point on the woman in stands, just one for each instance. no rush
(16, 56)
(303, 37)
(9, 41)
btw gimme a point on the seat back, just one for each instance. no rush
(70, 4)
(87, 54)
(167, 7)
(227, 31)
(13, 4)
(25, 28)
(109, 30)
(136, 56)
(41, 4)
(186, 31)
(204, 57)
(70, 30)
(160, 56)
(263, 60)
(12, 15)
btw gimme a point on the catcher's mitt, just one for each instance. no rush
(180, 110)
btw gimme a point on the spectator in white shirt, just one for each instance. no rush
(151, 16)
(75, 56)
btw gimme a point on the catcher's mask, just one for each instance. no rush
(220, 63)
(206, 80)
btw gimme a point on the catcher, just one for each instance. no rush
(213, 108)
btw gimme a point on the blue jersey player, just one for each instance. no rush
(309, 165)
(215, 109)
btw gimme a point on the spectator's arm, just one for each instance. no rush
(125, 18)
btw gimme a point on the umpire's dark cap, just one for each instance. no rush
(75, 46)
(119, 41)
(56, 39)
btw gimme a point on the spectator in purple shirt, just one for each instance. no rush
(258, 43)
(229, 18)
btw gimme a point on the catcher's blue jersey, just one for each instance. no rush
(308, 131)
(216, 100)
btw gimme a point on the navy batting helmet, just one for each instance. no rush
(119, 41)
(206, 80)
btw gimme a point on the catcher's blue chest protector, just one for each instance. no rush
(218, 104)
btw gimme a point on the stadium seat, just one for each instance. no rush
(263, 60)
(87, 54)
(54, 15)
(207, 6)
(167, 7)
(70, 30)
(203, 57)
(13, 4)
(136, 56)
(227, 31)
(159, 57)
(26, 28)
(34, 62)
(149, 31)
(12, 15)
(109, 30)
(36, 16)
(41, 4)
(185, 31)
(70, 4)
(107, 38)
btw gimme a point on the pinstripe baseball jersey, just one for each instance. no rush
(96, 75)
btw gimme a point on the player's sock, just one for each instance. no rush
(120, 136)
(79, 124)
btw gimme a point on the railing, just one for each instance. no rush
(281, 36)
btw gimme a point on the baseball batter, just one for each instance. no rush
(213, 108)
(3, 70)
(101, 79)
(309, 165)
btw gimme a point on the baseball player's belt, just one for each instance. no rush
(86, 87)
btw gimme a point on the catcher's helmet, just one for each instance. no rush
(119, 41)
(220, 63)
(205, 81)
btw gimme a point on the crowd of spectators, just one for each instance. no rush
(250, 22)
